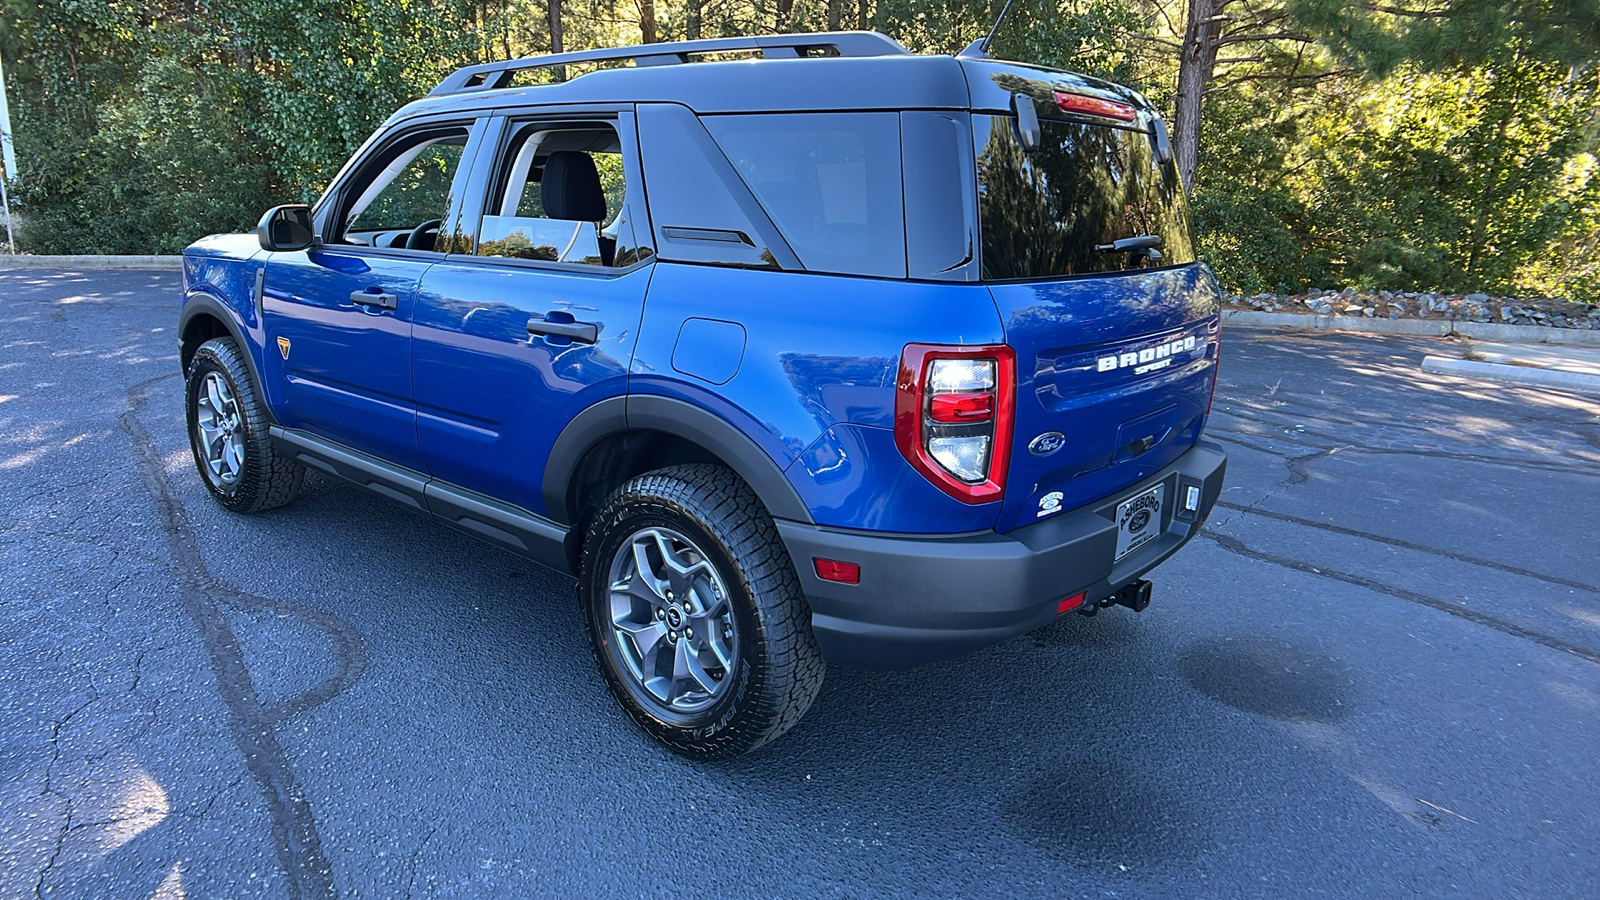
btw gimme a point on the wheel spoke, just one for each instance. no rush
(233, 453)
(680, 663)
(646, 640)
(214, 394)
(698, 672)
(645, 574)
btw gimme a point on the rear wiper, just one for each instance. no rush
(1127, 244)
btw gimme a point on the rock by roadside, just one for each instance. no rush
(1427, 305)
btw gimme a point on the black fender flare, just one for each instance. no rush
(199, 303)
(647, 412)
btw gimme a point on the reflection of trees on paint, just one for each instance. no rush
(1044, 212)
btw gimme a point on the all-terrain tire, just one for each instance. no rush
(713, 517)
(256, 477)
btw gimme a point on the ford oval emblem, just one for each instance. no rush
(1047, 443)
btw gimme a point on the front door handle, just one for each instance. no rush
(382, 299)
(579, 332)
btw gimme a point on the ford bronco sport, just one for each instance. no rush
(791, 349)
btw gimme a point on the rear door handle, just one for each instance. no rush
(580, 332)
(382, 300)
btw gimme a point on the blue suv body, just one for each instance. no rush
(822, 348)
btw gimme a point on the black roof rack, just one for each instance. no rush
(495, 75)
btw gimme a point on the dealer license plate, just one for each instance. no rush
(1138, 521)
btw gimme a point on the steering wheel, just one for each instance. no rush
(418, 234)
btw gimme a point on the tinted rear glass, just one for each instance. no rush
(830, 181)
(1043, 214)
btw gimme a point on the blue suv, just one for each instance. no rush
(791, 349)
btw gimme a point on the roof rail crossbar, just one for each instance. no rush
(495, 75)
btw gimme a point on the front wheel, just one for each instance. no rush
(228, 433)
(695, 614)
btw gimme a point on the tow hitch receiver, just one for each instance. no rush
(1135, 596)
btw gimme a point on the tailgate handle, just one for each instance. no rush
(1142, 445)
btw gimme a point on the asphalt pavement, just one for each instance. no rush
(1375, 674)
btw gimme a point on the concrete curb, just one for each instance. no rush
(1483, 331)
(23, 261)
(1528, 375)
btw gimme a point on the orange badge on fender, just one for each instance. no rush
(283, 347)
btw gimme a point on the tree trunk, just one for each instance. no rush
(1196, 63)
(863, 17)
(835, 14)
(555, 26)
(647, 21)
(695, 25)
(784, 7)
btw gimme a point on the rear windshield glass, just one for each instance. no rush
(1057, 210)
(830, 181)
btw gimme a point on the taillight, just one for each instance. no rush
(953, 416)
(1094, 106)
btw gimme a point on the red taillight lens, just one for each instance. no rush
(961, 406)
(1094, 106)
(834, 570)
(953, 416)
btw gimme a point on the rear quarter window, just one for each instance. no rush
(830, 182)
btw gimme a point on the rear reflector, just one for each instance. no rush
(834, 570)
(1070, 604)
(963, 406)
(1094, 106)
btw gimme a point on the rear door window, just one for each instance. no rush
(1057, 210)
(830, 182)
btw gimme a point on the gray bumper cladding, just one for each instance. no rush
(926, 598)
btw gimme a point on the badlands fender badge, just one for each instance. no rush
(283, 347)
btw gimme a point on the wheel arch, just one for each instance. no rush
(621, 437)
(204, 317)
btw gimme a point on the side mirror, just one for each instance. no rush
(286, 227)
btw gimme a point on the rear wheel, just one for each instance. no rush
(695, 614)
(228, 433)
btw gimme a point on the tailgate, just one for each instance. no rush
(1114, 379)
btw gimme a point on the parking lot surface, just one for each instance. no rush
(1376, 674)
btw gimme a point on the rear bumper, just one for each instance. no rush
(926, 598)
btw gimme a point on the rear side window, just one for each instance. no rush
(1057, 210)
(830, 182)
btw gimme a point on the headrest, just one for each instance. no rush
(570, 188)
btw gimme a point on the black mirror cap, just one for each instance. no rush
(286, 227)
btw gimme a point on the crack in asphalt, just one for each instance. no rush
(1236, 546)
(1407, 545)
(294, 830)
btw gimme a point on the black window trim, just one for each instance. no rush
(333, 202)
(503, 125)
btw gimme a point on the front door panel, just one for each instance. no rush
(338, 369)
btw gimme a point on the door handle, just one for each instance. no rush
(580, 332)
(382, 300)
